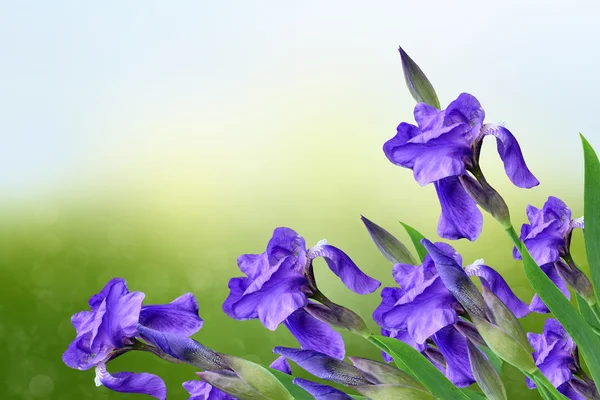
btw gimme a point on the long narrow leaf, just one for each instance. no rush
(415, 237)
(421, 368)
(592, 211)
(572, 321)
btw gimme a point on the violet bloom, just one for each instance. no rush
(279, 283)
(548, 234)
(422, 305)
(445, 146)
(555, 355)
(110, 329)
(547, 238)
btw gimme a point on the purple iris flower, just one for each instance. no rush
(547, 238)
(422, 305)
(422, 311)
(110, 329)
(548, 234)
(200, 390)
(444, 146)
(279, 283)
(555, 355)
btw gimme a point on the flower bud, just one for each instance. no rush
(419, 86)
(258, 378)
(228, 382)
(391, 248)
(184, 349)
(469, 331)
(499, 314)
(487, 198)
(456, 280)
(381, 373)
(324, 366)
(576, 279)
(505, 345)
(393, 392)
(484, 373)
(338, 316)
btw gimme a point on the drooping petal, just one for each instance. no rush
(180, 316)
(323, 366)
(130, 382)
(341, 265)
(321, 392)
(281, 364)
(511, 155)
(199, 390)
(496, 283)
(460, 216)
(402, 336)
(536, 304)
(313, 334)
(453, 346)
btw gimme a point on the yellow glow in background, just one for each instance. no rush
(158, 141)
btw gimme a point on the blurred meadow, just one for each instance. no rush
(157, 141)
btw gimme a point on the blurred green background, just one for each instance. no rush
(157, 142)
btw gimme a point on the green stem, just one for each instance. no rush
(514, 236)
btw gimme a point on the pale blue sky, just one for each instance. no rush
(157, 91)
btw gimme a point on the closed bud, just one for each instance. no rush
(505, 345)
(258, 378)
(380, 373)
(456, 280)
(393, 392)
(484, 373)
(419, 86)
(391, 248)
(576, 279)
(487, 198)
(183, 349)
(228, 382)
(469, 331)
(436, 356)
(499, 314)
(338, 316)
(324, 367)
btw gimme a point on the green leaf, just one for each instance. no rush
(288, 381)
(588, 314)
(592, 211)
(587, 341)
(473, 395)
(391, 248)
(258, 378)
(419, 86)
(393, 392)
(409, 359)
(415, 237)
